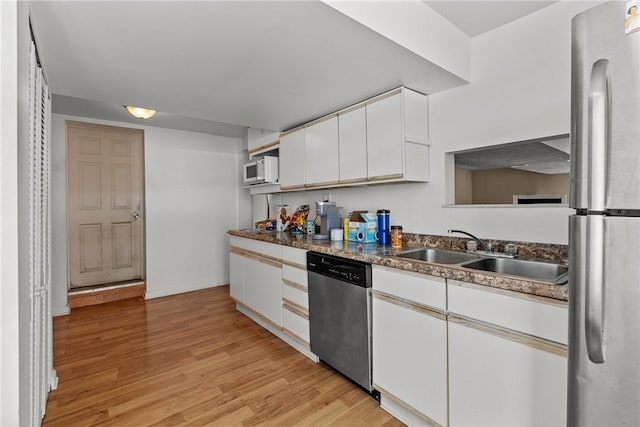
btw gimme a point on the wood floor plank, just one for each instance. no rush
(191, 360)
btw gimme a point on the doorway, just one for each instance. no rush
(105, 205)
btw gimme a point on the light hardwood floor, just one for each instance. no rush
(191, 359)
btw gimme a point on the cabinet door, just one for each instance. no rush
(352, 134)
(235, 277)
(385, 144)
(292, 159)
(494, 381)
(410, 357)
(263, 289)
(321, 153)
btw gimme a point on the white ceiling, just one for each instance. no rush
(220, 66)
(476, 17)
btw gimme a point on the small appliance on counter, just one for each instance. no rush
(329, 218)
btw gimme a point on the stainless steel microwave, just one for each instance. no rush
(261, 170)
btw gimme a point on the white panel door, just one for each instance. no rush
(321, 153)
(385, 144)
(263, 288)
(292, 160)
(410, 357)
(105, 198)
(494, 381)
(352, 135)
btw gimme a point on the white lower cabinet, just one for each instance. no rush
(444, 352)
(262, 288)
(410, 343)
(507, 362)
(410, 357)
(255, 277)
(495, 381)
(236, 286)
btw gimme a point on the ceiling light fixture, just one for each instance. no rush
(140, 113)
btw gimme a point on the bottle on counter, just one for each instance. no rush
(345, 228)
(383, 226)
(396, 236)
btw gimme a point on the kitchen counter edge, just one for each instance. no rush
(385, 256)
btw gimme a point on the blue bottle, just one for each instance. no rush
(383, 226)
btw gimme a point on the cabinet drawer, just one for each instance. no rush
(248, 244)
(294, 256)
(419, 288)
(295, 275)
(542, 317)
(295, 294)
(295, 324)
(270, 249)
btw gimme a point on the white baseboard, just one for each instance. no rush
(60, 311)
(158, 293)
(402, 413)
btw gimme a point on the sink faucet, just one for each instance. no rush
(487, 246)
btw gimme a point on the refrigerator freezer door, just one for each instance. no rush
(605, 103)
(605, 393)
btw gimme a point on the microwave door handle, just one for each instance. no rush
(599, 137)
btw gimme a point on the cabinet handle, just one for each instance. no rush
(410, 305)
(383, 177)
(352, 181)
(292, 187)
(321, 184)
(268, 262)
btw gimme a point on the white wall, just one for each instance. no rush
(191, 201)
(191, 195)
(9, 300)
(520, 89)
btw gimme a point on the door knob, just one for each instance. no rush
(135, 215)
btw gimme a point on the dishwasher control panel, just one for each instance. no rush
(348, 270)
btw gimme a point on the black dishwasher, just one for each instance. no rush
(340, 315)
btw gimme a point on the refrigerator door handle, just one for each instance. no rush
(595, 286)
(599, 133)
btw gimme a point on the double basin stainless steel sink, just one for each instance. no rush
(555, 274)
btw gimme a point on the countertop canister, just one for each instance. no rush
(396, 236)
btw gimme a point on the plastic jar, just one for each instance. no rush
(396, 236)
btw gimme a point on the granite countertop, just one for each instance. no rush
(386, 256)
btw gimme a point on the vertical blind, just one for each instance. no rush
(42, 374)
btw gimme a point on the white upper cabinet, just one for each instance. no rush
(292, 159)
(352, 131)
(397, 137)
(321, 152)
(383, 139)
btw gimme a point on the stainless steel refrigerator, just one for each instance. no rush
(604, 236)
